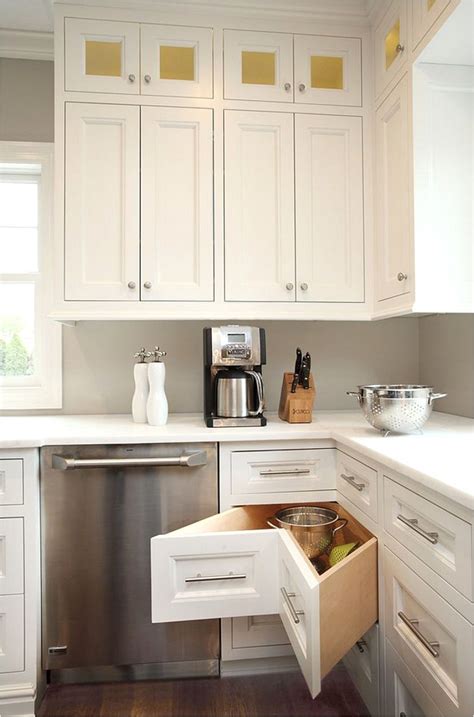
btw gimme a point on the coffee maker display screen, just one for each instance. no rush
(236, 338)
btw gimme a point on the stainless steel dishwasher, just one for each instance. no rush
(100, 505)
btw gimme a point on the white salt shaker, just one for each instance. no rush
(157, 404)
(140, 395)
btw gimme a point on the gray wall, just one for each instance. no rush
(447, 360)
(26, 100)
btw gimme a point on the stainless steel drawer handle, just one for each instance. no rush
(293, 611)
(189, 460)
(360, 645)
(352, 481)
(432, 647)
(291, 472)
(413, 524)
(208, 578)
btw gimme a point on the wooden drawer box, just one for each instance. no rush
(232, 565)
(432, 638)
(438, 538)
(11, 481)
(357, 482)
(283, 471)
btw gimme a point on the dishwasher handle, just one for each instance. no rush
(186, 460)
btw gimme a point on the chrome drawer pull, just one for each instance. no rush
(352, 481)
(432, 647)
(293, 612)
(360, 645)
(413, 524)
(208, 578)
(292, 472)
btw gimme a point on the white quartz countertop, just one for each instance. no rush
(440, 458)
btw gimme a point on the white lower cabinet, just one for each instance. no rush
(233, 565)
(12, 633)
(362, 663)
(403, 693)
(11, 556)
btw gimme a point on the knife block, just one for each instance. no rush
(296, 407)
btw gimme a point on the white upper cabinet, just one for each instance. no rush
(102, 56)
(177, 261)
(102, 202)
(424, 15)
(176, 61)
(328, 70)
(329, 208)
(258, 66)
(259, 207)
(390, 45)
(393, 192)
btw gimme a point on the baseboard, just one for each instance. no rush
(234, 668)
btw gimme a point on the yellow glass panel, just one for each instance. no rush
(176, 63)
(327, 73)
(258, 68)
(103, 58)
(392, 40)
(431, 3)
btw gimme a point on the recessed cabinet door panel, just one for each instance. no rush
(425, 13)
(390, 44)
(392, 196)
(102, 202)
(12, 633)
(329, 208)
(259, 207)
(258, 66)
(328, 70)
(176, 61)
(11, 556)
(102, 56)
(177, 205)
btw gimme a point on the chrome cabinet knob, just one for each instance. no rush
(131, 78)
(301, 87)
(131, 285)
(304, 286)
(287, 86)
(399, 48)
(147, 284)
(290, 286)
(147, 79)
(401, 276)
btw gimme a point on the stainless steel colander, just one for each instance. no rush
(397, 408)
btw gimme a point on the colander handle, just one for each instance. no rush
(271, 523)
(434, 396)
(353, 393)
(343, 525)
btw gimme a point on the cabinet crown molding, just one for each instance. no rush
(26, 45)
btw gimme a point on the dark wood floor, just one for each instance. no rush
(274, 695)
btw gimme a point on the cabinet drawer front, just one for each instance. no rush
(440, 539)
(357, 482)
(403, 692)
(282, 471)
(11, 556)
(12, 633)
(432, 638)
(362, 663)
(222, 574)
(11, 481)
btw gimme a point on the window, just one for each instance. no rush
(30, 343)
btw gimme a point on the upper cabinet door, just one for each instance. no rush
(258, 66)
(259, 207)
(390, 44)
(424, 14)
(328, 70)
(102, 56)
(177, 204)
(329, 208)
(102, 202)
(176, 61)
(392, 195)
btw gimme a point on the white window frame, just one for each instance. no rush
(44, 388)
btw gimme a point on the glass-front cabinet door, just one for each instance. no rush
(258, 66)
(425, 13)
(328, 70)
(102, 56)
(390, 43)
(176, 61)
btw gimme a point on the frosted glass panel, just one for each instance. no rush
(258, 68)
(327, 72)
(431, 3)
(176, 63)
(392, 40)
(104, 58)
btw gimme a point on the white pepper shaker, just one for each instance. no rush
(157, 404)
(140, 395)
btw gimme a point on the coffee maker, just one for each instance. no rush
(233, 383)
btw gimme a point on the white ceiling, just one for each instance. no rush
(37, 15)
